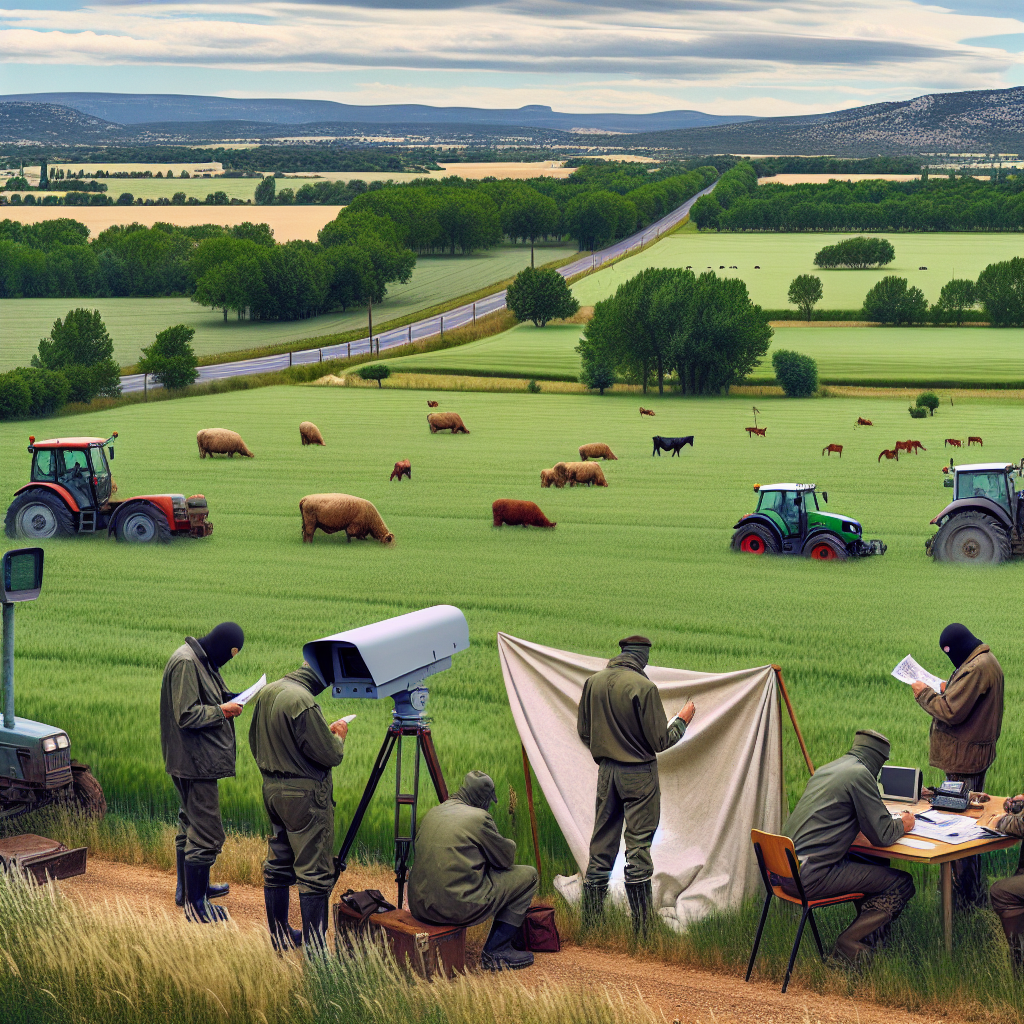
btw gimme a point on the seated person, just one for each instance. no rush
(465, 872)
(842, 799)
(1007, 895)
(76, 478)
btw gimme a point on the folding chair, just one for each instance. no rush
(776, 857)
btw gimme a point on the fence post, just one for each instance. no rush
(442, 327)
(410, 334)
(145, 387)
(350, 350)
(321, 351)
(289, 359)
(474, 312)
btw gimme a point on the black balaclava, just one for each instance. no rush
(477, 790)
(958, 642)
(635, 650)
(871, 749)
(218, 642)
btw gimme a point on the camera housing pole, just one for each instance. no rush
(533, 811)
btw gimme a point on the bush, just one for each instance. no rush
(597, 375)
(15, 396)
(540, 296)
(49, 389)
(80, 347)
(171, 359)
(797, 374)
(859, 252)
(917, 412)
(376, 371)
(892, 301)
(928, 400)
(533, 387)
(1001, 292)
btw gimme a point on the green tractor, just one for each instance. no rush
(788, 521)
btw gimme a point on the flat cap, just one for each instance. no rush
(635, 641)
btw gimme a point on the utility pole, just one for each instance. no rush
(369, 308)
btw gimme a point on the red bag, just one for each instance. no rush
(538, 932)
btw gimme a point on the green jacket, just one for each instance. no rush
(841, 799)
(289, 733)
(197, 740)
(458, 846)
(621, 715)
(968, 717)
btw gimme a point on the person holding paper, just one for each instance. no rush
(1007, 895)
(842, 799)
(967, 717)
(296, 749)
(622, 721)
(197, 736)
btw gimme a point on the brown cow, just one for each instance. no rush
(519, 513)
(861, 422)
(833, 448)
(916, 445)
(975, 440)
(431, 405)
(889, 453)
(952, 441)
(446, 421)
(905, 446)
(646, 412)
(760, 431)
(403, 468)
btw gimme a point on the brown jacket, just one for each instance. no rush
(967, 718)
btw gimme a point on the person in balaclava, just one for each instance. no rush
(465, 872)
(967, 717)
(622, 721)
(295, 750)
(197, 736)
(842, 799)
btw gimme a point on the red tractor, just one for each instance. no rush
(69, 493)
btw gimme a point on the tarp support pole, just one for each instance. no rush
(533, 813)
(792, 718)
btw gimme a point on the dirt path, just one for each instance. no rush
(692, 996)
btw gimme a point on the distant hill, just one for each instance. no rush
(130, 109)
(986, 121)
(50, 122)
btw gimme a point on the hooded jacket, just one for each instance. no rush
(621, 715)
(458, 848)
(968, 717)
(841, 799)
(289, 735)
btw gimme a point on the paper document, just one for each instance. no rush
(247, 695)
(908, 671)
(347, 718)
(949, 828)
(914, 844)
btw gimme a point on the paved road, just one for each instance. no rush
(457, 317)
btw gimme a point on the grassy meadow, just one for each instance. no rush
(899, 354)
(133, 323)
(650, 553)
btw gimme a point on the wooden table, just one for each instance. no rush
(943, 854)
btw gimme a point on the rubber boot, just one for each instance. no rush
(313, 906)
(1013, 929)
(592, 904)
(498, 954)
(197, 905)
(282, 935)
(213, 892)
(849, 946)
(641, 903)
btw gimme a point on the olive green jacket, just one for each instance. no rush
(621, 715)
(458, 846)
(197, 740)
(289, 734)
(968, 717)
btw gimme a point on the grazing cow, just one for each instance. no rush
(519, 513)
(905, 446)
(218, 441)
(309, 433)
(431, 405)
(833, 448)
(861, 422)
(760, 431)
(975, 440)
(922, 268)
(734, 267)
(403, 468)
(335, 512)
(446, 421)
(646, 412)
(915, 446)
(670, 444)
(953, 443)
(889, 453)
(757, 268)
(597, 450)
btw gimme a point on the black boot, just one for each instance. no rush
(213, 892)
(851, 947)
(197, 905)
(641, 902)
(313, 906)
(498, 953)
(1013, 929)
(592, 904)
(282, 935)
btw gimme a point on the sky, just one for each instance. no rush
(744, 57)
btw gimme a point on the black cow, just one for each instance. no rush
(671, 444)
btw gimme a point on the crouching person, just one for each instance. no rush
(1007, 895)
(842, 799)
(465, 872)
(296, 749)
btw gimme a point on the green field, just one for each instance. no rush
(133, 323)
(782, 256)
(154, 188)
(648, 554)
(897, 354)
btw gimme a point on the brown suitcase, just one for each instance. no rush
(429, 949)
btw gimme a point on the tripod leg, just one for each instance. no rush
(434, 766)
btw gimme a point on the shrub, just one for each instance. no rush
(533, 387)
(540, 296)
(49, 389)
(859, 252)
(928, 400)
(376, 371)
(597, 374)
(1001, 292)
(15, 396)
(171, 358)
(917, 412)
(796, 373)
(892, 301)
(80, 347)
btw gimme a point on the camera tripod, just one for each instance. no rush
(401, 727)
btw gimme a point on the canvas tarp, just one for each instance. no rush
(723, 779)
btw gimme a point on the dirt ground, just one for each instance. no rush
(679, 993)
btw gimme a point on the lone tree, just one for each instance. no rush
(377, 372)
(955, 299)
(540, 296)
(1001, 292)
(796, 373)
(892, 301)
(171, 359)
(81, 348)
(264, 195)
(805, 292)
(857, 253)
(928, 400)
(595, 374)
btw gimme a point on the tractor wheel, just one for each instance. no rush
(36, 515)
(143, 525)
(754, 540)
(87, 794)
(971, 537)
(825, 549)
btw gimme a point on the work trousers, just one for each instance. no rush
(301, 844)
(626, 794)
(200, 829)
(968, 883)
(512, 892)
(1007, 896)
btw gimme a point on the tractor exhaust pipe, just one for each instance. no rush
(8, 666)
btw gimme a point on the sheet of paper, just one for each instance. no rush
(948, 828)
(247, 695)
(914, 844)
(908, 671)
(347, 718)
